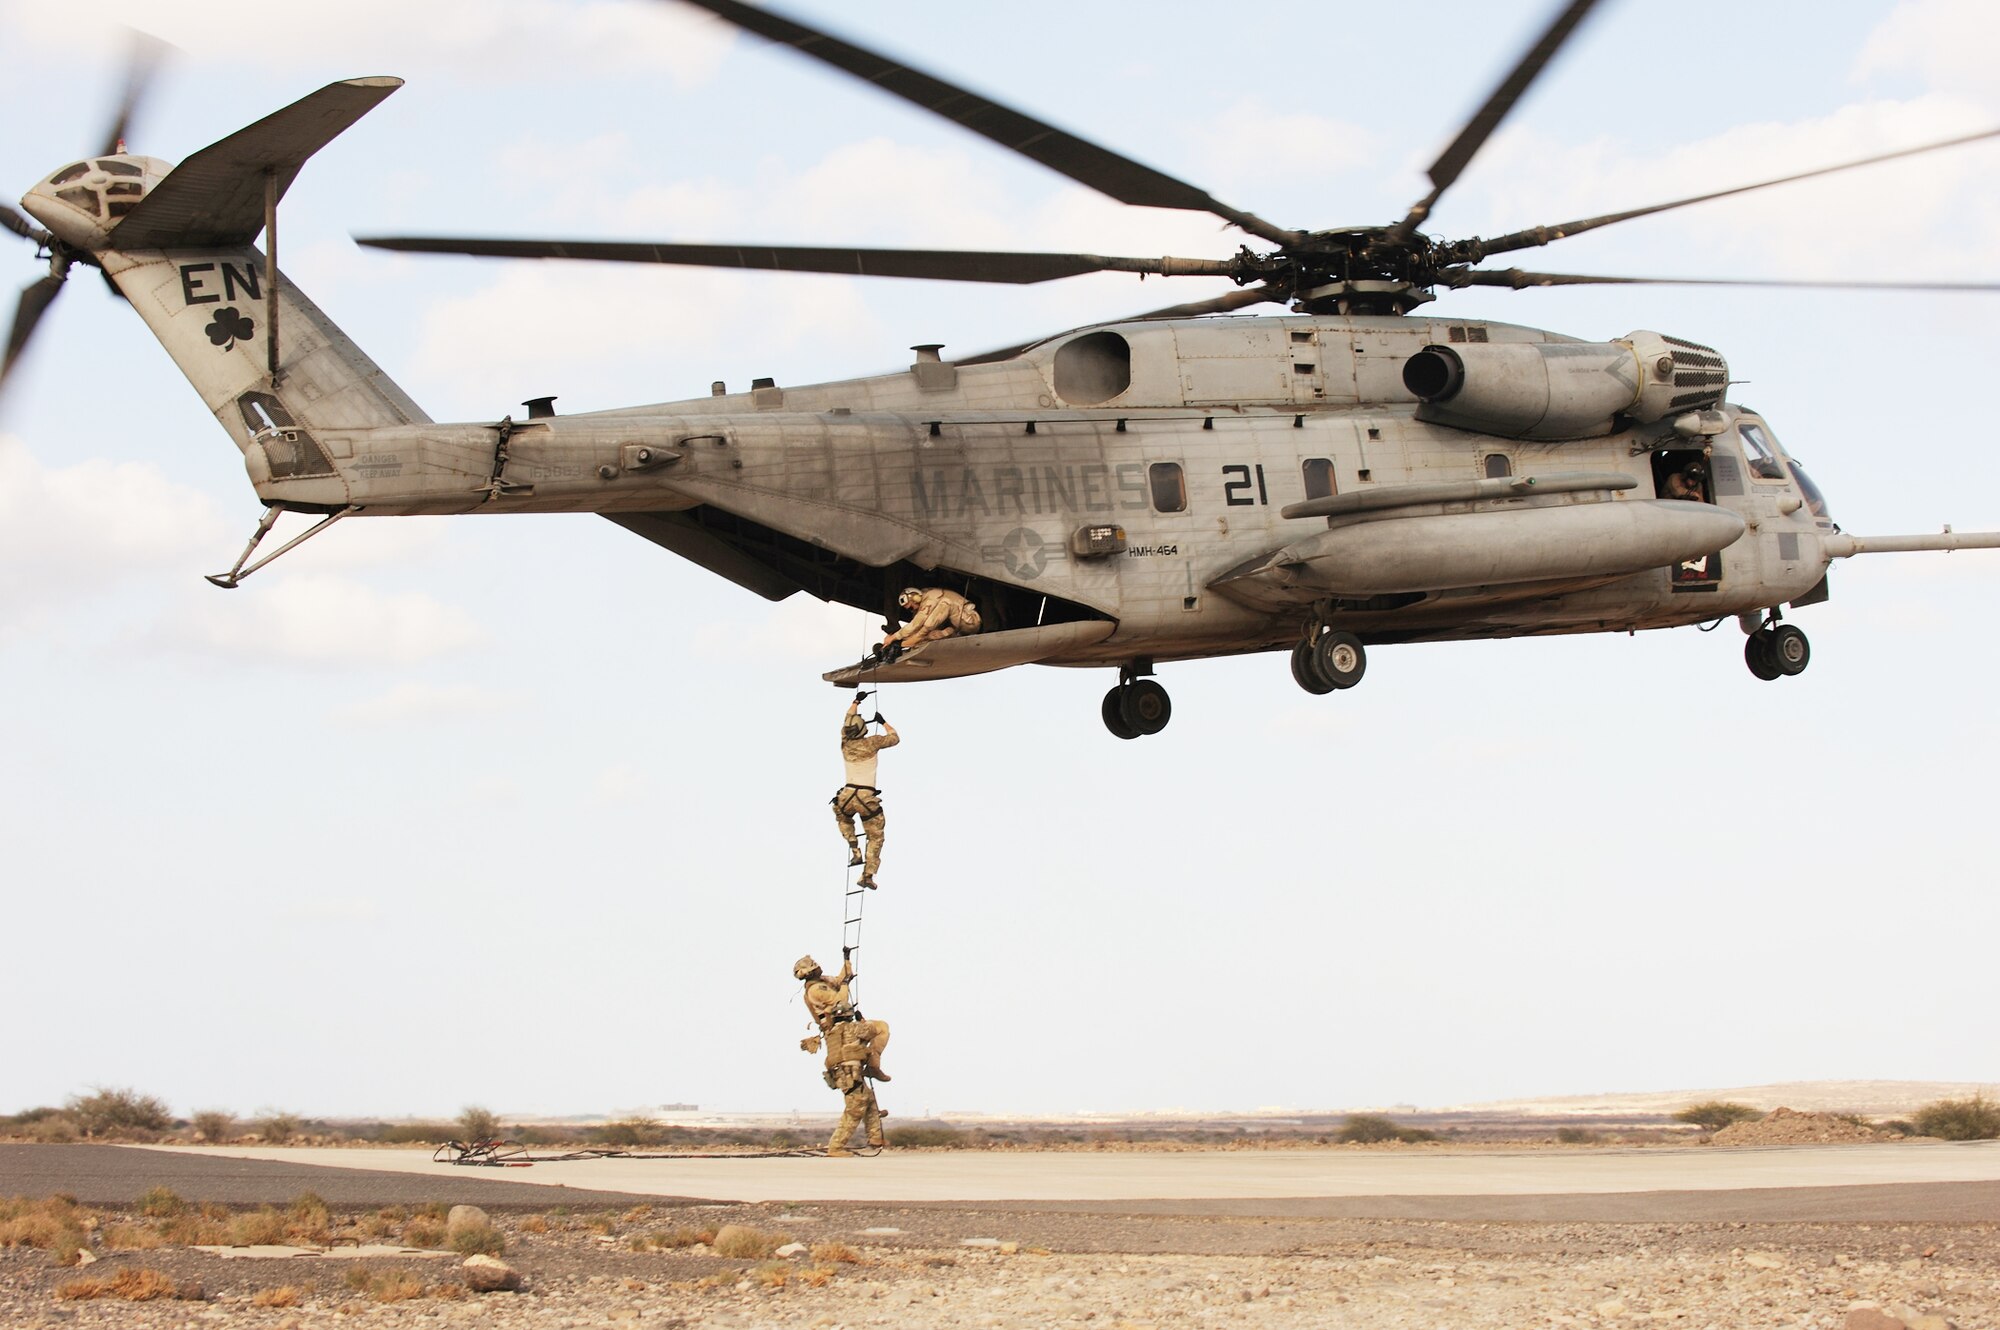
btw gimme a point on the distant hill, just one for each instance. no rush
(1874, 1098)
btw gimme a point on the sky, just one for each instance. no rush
(524, 812)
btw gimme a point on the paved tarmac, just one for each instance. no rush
(1904, 1181)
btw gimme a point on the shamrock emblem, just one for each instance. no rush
(230, 327)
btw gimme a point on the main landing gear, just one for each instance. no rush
(1137, 705)
(1776, 650)
(1327, 661)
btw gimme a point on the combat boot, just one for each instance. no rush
(878, 1141)
(875, 1073)
(840, 1152)
(868, 881)
(854, 859)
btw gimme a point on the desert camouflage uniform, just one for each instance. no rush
(859, 798)
(939, 613)
(832, 1009)
(858, 1108)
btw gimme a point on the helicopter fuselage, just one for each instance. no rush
(1133, 510)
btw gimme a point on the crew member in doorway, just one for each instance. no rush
(846, 1072)
(934, 613)
(830, 1003)
(859, 798)
(1686, 483)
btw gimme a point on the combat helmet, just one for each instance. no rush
(805, 968)
(909, 596)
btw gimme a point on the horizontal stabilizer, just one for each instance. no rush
(956, 657)
(216, 198)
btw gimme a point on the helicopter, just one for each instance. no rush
(1187, 483)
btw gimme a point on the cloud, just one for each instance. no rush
(800, 629)
(1953, 45)
(423, 703)
(322, 621)
(478, 39)
(69, 532)
(1940, 206)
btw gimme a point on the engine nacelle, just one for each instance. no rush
(1563, 390)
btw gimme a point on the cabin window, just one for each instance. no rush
(1317, 472)
(1499, 466)
(1169, 487)
(1095, 367)
(116, 167)
(1758, 452)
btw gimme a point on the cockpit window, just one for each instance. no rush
(1758, 452)
(115, 167)
(85, 199)
(1814, 499)
(69, 173)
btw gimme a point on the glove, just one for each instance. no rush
(846, 952)
(809, 1045)
(861, 695)
(878, 720)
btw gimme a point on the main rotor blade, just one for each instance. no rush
(1542, 235)
(1487, 118)
(1081, 160)
(1518, 280)
(140, 66)
(950, 265)
(1222, 304)
(34, 303)
(21, 226)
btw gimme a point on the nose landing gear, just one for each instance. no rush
(1137, 705)
(1776, 650)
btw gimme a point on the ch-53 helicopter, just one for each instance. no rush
(1172, 486)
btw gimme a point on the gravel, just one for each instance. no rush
(1101, 1271)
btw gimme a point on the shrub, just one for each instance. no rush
(119, 1113)
(275, 1128)
(628, 1132)
(1574, 1136)
(424, 1231)
(1373, 1128)
(286, 1295)
(258, 1228)
(828, 1253)
(53, 1224)
(673, 1239)
(56, 1129)
(133, 1237)
(1714, 1115)
(477, 1124)
(416, 1133)
(534, 1224)
(1974, 1119)
(308, 1220)
(949, 1138)
(160, 1203)
(133, 1284)
(743, 1243)
(214, 1126)
(478, 1239)
(385, 1285)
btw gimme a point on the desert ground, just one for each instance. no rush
(1868, 1235)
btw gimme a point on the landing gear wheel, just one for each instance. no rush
(1757, 655)
(1790, 652)
(1113, 711)
(1305, 669)
(1339, 659)
(1145, 706)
